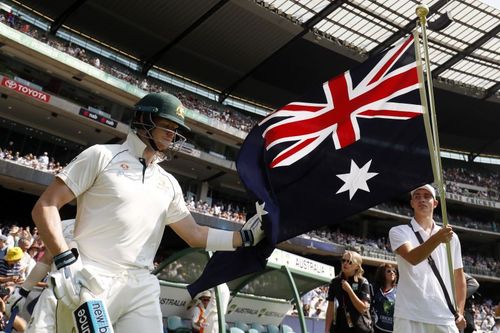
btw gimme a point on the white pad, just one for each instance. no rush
(219, 240)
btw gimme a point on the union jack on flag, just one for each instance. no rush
(361, 132)
(307, 125)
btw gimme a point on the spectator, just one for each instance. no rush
(469, 312)
(308, 297)
(97, 63)
(212, 322)
(35, 251)
(43, 161)
(200, 312)
(318, 312)
(16, 156)
(384, 297)
(27, 262)
(19, 324)
(496, 327)
(3, 246)
(25, 233)
(13, 236)
(306, 309)
(10, 267)
(319, 308)
(349, 298)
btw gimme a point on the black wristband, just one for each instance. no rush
(65, 258)
(246, 237)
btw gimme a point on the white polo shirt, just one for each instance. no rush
(122, 207)
(419, 296)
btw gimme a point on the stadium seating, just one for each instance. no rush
(272, 328)
(236, 330)
(175, 325)
(259, 328)
(286, 329)
(242, 326)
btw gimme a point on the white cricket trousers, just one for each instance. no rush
(409, 326)
(132, 299)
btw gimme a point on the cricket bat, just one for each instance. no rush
(91, 316)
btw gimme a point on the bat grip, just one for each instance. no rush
(91, 312)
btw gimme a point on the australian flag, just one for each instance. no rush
(356, 141)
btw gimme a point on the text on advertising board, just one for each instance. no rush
(94, 116)
(20, 88)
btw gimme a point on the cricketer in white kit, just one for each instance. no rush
(124, 201)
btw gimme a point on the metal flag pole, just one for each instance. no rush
(437, 169)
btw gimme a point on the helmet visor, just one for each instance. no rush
(166, 143)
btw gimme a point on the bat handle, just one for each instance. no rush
(91, 312)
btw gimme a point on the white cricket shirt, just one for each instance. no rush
(122, 207)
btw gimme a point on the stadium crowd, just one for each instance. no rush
(377, 248)
(220, 209)
(205, 106)
(231, 116)
(20, 249)
(314, 302)
(485, 315)
(232, 212)
(45, 163)
(42, 162)
(490, 183)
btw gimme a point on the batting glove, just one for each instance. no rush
(16, 300)
(252, 232)
(66, 282)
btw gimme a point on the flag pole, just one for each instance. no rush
(437, 169)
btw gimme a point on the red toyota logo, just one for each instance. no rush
(10, 84)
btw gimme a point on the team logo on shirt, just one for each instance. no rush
(388, 306)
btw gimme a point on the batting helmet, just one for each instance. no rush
(161, 105)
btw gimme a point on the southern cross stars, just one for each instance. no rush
(260, 209)
(356, 179)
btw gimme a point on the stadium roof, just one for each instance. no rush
(271, 52)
